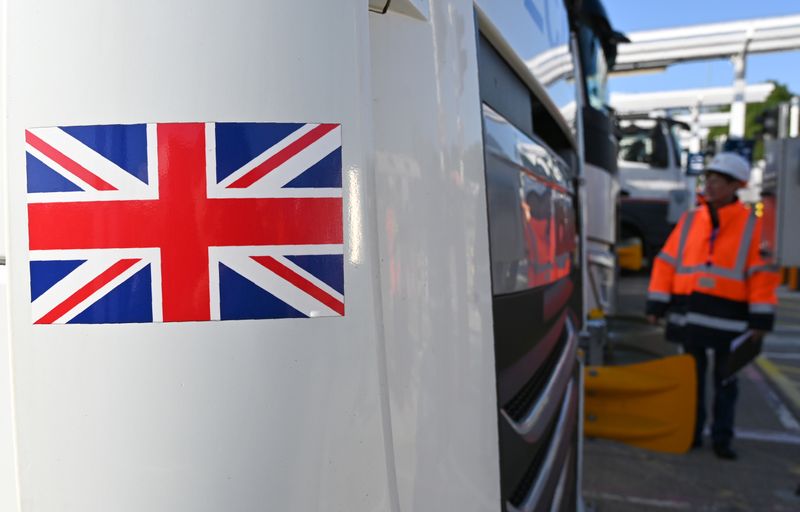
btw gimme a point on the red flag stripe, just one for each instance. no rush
(282, 156)
(301, 282)
(67, 163)
(92, 286)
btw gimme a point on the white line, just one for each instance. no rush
(152, 159)
(777, 405)
(277, 250)
(768, 436)
(213, 281)
(211, 159)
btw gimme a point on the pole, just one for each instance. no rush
(738, 107)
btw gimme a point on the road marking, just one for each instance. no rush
(783, 413)
(786, 387)
(667, 504)
(768, 436)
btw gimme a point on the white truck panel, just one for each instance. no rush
(235, 416)
(435, 259)
(8, 478)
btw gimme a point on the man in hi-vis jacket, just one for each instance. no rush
(713, 283)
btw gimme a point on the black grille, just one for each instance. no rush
(520, 404)
(518, 496)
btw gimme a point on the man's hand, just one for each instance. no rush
(652, 319)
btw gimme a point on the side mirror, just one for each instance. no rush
(695, 164)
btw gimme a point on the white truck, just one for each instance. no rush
(655, 186)
(291, 255)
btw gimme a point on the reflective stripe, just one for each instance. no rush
(762, 268)
(687, 224)
(713, 270)
(666, 258)
(744, 244)
(659, 296)
(714, 322)
(677, 319)
(762, 308)
(737, 273)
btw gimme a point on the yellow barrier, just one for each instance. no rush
(631, 255)
(650, 405)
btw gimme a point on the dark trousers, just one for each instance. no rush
(725, 393)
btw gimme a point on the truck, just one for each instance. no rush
(655, 185)
(294, 255)
(598, 51)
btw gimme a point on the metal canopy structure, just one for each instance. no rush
(658, 49)
(642, 103)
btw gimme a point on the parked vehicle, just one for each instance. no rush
(598, 48)
(655, 189)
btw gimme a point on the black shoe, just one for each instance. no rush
(724, 451)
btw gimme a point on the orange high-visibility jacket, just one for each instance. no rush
(712, 292)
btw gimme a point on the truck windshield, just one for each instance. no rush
(644, 142)
(595, 70)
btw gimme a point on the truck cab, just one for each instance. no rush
(655, 189)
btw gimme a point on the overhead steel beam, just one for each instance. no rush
(639, 103)
(706, 119)
(661, 48)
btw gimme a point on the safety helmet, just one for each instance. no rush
(730, 164)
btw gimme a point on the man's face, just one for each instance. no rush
(719, 188)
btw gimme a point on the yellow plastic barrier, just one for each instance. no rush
(650, 405)
(630, 255)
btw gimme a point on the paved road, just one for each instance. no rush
(619, 478)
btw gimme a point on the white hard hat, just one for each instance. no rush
(731, 164)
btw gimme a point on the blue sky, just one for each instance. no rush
(635, 15)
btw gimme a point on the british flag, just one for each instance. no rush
(184, 222)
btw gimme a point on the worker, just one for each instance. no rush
(713, 282)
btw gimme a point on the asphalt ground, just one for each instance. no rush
(620, 478)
